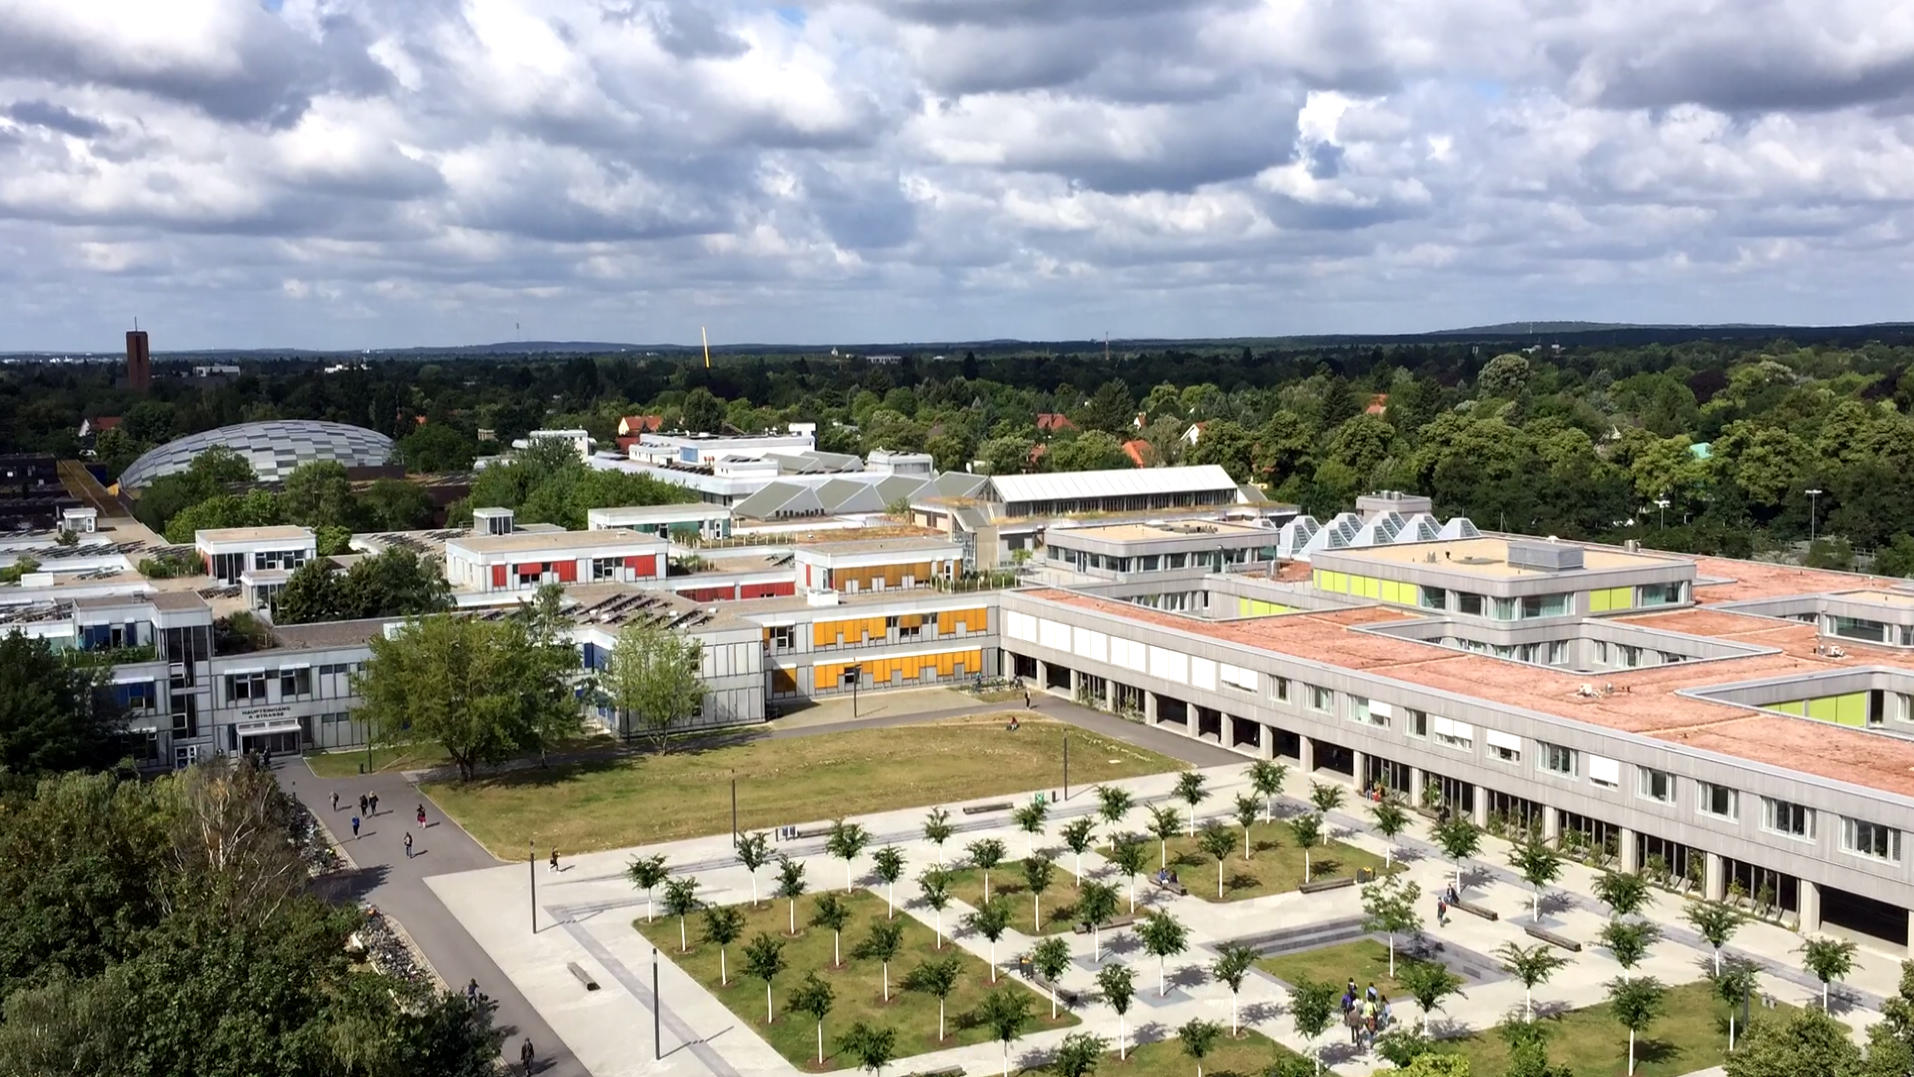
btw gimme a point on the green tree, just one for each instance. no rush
(1504, 376)
(652, 676)
(832, 912)
(703, 412)
(394, 505)
(1128, 854)
(1005, 1011)
(1005, 455)
(394, 583)
(881, 945)
(1311, 1003)
(1307, 829)
(722, 926)
(1163, 937)
(936, 978)
(1091, 450)
(873, 1047)
(1232, 965)
(1164, 823)
(1037, 875)
(933, 887)
(1635, 1001)
(754, 851)
(318, 494)
(1531, 965)
(1029, 819)
(1735, 984)
(681, 900)
(54, 715)
(1428, 983)
(552, 692)
(814, 997)
(1628, 940)
(1096, 904)
(764, 960)
(1051, 958)
(1326, 798)
(991, 920)
(1459, 839)
(1267, 777)
(455, 681)
(1247, 809)
(1226, 444)
(937, 830)
(1539, 865)
(1391, 820)
(1079, 836)
(791, 885)
(1218, 843)
(1113, 803)
(1714, 922)
(1078, 1055)
(846, 842)
(1199, 1039)
(986, 853)
(1118, 984)
(646, 873)
(1389, 906)
(436, 447)
(1828, 959)
(1808, 1041)
(1624, 892)
(1110, 409)
(1190, 790)
(888, 865)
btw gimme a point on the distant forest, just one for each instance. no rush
(1583, 435)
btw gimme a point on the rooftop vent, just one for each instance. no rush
(1545, 556)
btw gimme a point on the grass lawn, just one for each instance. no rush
(1275, 867)
(858, 985)
(634, 800)
(1245, 1056)
(1006, 880)
(1364, 959)
(347, 762)
(1691, 1034)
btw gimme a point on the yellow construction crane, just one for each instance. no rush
(707, 347)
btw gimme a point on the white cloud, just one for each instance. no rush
(358, 172)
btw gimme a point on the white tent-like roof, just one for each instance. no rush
(1116, 482)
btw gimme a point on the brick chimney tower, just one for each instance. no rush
(139, 363)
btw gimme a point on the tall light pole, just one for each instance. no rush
(1814, 502)
(1662, 504)
(531, 873)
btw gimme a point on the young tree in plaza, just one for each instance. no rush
(1391, 820)
(1714, 922)
(681, 900)
(832, 912)
(1829, 960)
(1624, 892)
(937, 830)
(1037, 875)
(847, 842)
(1389, 906)
(1005, 1011)
(791, 885)
(1051, 958)
(1079, 836)
(1531, 965)
(986, 853)
(1164, 823)
(1428, 982)
(882, 944)
(991, 920)
(1190, 789)
(1218, 843)
(1118, 984)
(1310, 1005)
(1628, 940)
(814, 997)
(1163, 936)
(1460, 839)
(1078, 1055)
(1635, 1001)
(1735, 984)
(1326, 798)
(1807, 1042)
(1128, 854)
(936, 978)
(1030, 819)
(888, 865)
(934, 887)
(764, 959)
(1267, 776)
(1539, 865)
(1113, 803)
(1232, 967)
(651, 679)
(874, 1046)
(1307, 829)
(1247, 809)
(646, 872)
(722, 926)
(754, 851)
(1096, 904)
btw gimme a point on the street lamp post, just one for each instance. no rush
(1662, 504)
(1814, 503)
(856, 674)
(531, 873)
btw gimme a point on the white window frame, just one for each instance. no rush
(1704, 795)
(1601, 764)
(1851, 842)
(1545, 759)
(1452, 734)
(1321, 700)
(1644, 778)
(1770, 807)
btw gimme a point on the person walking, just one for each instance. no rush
(362, 804)
(554, 866)
(408, 845)
(1026, 699)
(355, 828)
(375, 803)
(1442, 911)
(335, 800)
(471, 990)
(421, 815)
(525, 1056)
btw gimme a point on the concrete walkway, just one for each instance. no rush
(387, 879)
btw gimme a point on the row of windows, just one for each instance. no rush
(294, 683)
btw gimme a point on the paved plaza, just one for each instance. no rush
(585, 915)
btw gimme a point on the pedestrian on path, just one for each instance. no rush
(362, 804)
(355, 828)
(471, 990)
(421, 815)
(335, 800)
(525, 1056)
(408, 846)
(375, 803)
(1026, 699)
(554, 866)
(1442, 911)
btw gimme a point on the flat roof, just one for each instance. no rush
(1489, 557)
(1646, 701)
(1160, 532)
(1895, 599)
(523, 542)
(328, 634)
(700, 509)
(904, 544)
(1113, 482)
(279, 533)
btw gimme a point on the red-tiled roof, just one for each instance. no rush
(1140, 452)
(1052, 421)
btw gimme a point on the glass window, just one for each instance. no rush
(1435, 598)
(1785, 817)
(295, 682)
(1718, 800)
(1544, 606)
(1363, 710)
(1856, 628)
(1505, 609)
(1321, 699)
(1505, 753)
(1656, 785)
(1659, 594)
(1871, 840)
(1418, 724)
(1279, 687)
(1558, 760)
(1468, 603)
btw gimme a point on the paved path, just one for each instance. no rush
(386, 878)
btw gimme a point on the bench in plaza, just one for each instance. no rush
(1108, 925)
(984, 809)
(1175, 888)
(1326, 884)
(1473, 909)
(578, 972)
(947, 1071)
(1553, 939)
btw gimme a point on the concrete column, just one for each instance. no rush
(1109, 695)
(1357, 762)
(1149, 708)
(1627, 847)
(1809, 897)
(1481, 813)
(1415, 786)
(1076, 684)
(1551, 823)
(1306, 749)
(1714, 876)
(1266, 749)
(1043, 677)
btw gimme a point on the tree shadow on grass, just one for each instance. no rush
(1241, 881)
(1656, 1051)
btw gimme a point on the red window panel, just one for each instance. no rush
(646, 565)
(567, 572)
(498, 575)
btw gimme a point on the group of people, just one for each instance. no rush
(369, 807)
(1445, 901)
(1365, 1014)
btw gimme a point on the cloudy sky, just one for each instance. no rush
(347, 173)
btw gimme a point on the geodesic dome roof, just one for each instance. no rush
(273, 448)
